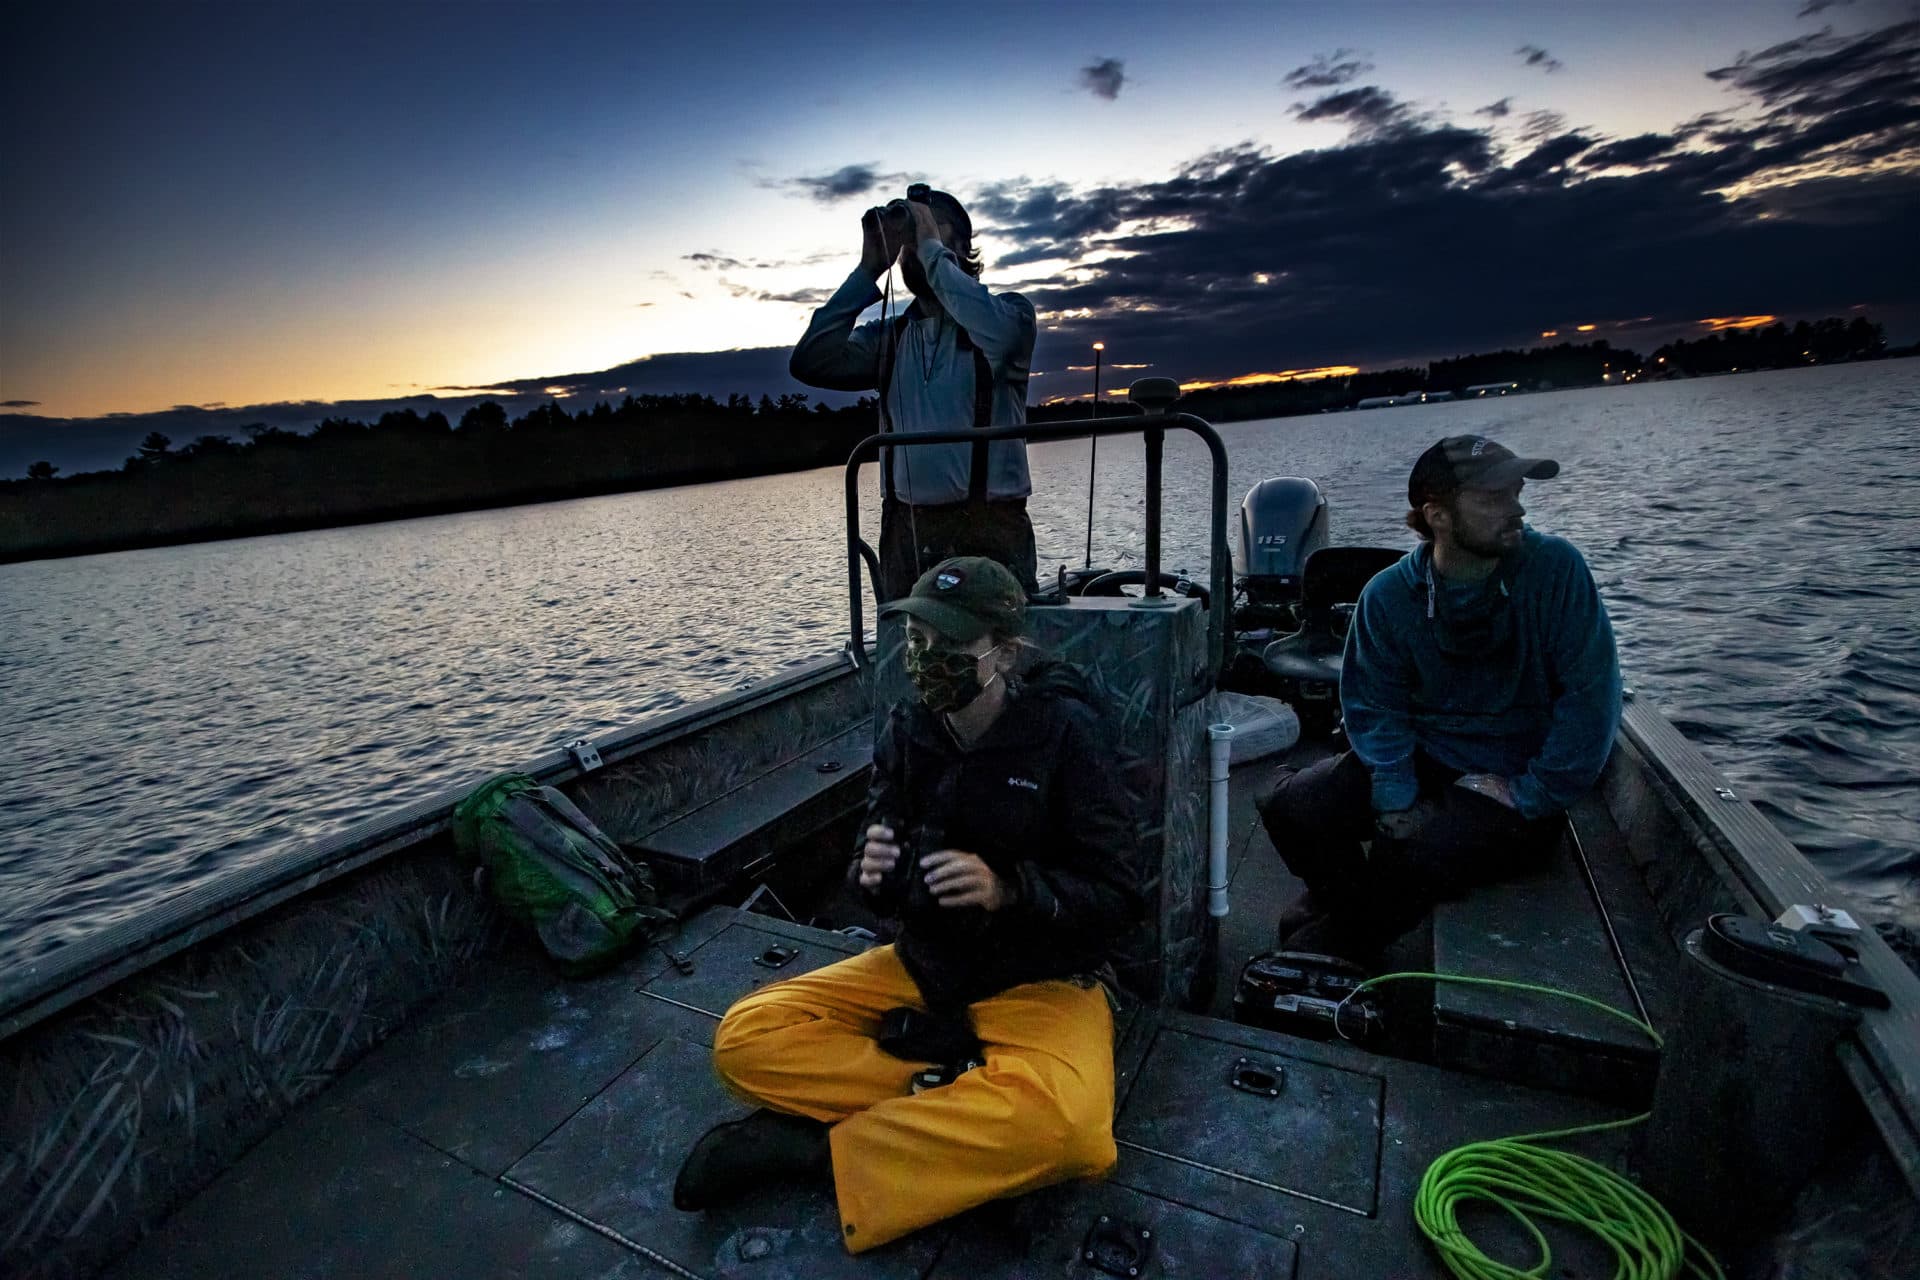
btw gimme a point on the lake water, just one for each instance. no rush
(177, 713)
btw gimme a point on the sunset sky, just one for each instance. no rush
(238, 205)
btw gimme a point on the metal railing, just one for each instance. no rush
(1153, 395)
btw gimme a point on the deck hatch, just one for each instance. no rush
(743, 958)
(613, 1164)
(1133, 1236)
(1315, 1132)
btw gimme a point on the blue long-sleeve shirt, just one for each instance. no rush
(1542, 713)
(932, 386)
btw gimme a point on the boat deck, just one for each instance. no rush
(528, 1125)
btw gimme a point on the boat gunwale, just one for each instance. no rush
(1881, 1055)
(84, 968)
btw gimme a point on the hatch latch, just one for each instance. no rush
(776, 957)
(1262, 1079)
(1117, 1248)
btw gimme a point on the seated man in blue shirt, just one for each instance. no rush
(1481, 692)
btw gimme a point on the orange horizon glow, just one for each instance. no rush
(1288, 375)
(1716, 324)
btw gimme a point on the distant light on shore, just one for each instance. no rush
(1716, 324)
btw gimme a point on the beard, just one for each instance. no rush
(914, 275)
(1496, 545)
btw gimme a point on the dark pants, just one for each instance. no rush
(1362, 899)
(914, 539)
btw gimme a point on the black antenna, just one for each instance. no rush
(1093, 452)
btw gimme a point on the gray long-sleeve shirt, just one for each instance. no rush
(932, 387)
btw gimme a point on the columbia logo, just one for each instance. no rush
(948, 581)
(1026, 784)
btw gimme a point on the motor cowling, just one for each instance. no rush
(1283, 520)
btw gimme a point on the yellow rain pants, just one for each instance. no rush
(1040, 1110)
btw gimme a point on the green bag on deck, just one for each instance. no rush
(553, 869)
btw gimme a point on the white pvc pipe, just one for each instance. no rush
(1219, 754)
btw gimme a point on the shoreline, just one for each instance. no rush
(1215, 408)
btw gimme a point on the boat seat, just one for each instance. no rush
(730, 836)
(1550, 929)
(1300, 664)
(1330, 583)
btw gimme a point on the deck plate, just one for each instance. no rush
(614, 1163)
(1318, 1134)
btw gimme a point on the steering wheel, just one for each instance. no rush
(1109, 584)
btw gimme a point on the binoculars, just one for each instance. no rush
(897, 218)
(905, 887)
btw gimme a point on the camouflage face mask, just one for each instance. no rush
(947, 679)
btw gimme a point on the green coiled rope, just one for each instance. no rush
(1531, 1181)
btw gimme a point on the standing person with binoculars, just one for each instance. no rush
(959, 356)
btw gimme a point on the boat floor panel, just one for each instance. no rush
(615, 1163)
(336, 1192)
(1049, 1233)
(746, 952)
(1543, 928)
(525, 1123)
(1404, 1115)
(491, 1069)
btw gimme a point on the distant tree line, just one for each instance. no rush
(1776, 346)
(1563, 365)
(406, 464)
(1542, 368)
(344, 471)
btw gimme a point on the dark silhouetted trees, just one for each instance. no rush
(1775, 346)
(409, 463)
(1566, 364)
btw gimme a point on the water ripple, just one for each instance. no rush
(178, 713)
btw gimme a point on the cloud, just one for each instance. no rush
(1328, 70)
(1534, 56)
(1630, 152)
(801, 297)
(18, 404)
(724, 262)
(1550, 155)
(1417, 235)
(1538, 126)
(1819, 6)
(1496, 110)
(1367, 108)
(1104, 78)
(1413, 236)
(842, 184)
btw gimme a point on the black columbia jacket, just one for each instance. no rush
(1039, 797)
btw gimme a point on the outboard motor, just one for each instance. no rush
(1294, 594)
(1283, 520)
